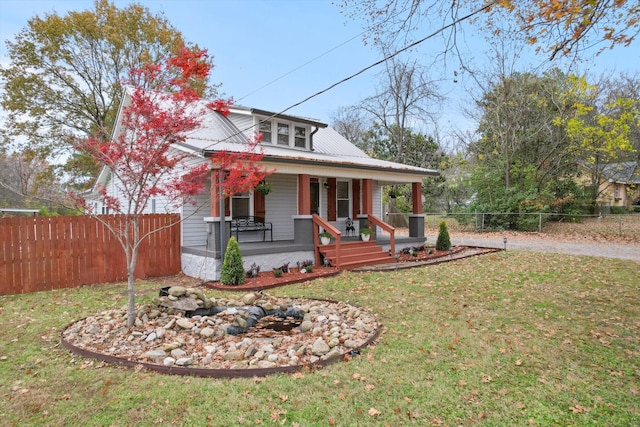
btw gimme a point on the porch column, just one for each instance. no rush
(416, 197)
(302, 223)
(304, 198)
(416, 218)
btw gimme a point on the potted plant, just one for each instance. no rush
(325, 237)
(263, 187)
(365, 233)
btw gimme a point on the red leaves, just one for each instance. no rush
(243, 169)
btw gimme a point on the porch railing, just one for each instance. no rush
(386, 227)
(317, 223)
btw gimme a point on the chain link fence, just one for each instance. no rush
(624, 226)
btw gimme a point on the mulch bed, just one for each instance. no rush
(267, 280)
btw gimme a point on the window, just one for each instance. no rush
(616, 191)
(265, 129)
(300, 137)
(241, 205)
(342, 199)
(283, 134)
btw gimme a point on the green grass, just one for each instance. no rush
(511, 338)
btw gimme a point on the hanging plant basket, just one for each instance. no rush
(264, 188)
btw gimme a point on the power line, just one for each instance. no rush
(363, 70)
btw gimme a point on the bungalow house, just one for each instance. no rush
(321, 182)
(620, 184)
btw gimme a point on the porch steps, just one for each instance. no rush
(356, 254)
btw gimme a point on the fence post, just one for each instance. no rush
(540, 223)
(619, 225)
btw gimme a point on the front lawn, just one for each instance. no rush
(510, 338)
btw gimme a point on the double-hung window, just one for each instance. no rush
(265, 129)
(241, 205)
(300, 140)
(283, 133)
(342, 199)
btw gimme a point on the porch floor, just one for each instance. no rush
(284, 246)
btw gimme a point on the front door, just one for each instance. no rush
(314, 193)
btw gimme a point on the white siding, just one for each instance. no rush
(244, 123)
(282, 204)
(194, 229)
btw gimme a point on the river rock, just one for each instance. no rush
(185, 323)
(249, 299)
(320, 347)
(177, 291)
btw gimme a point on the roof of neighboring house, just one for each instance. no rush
(622, 173)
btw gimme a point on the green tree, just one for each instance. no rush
(523, 158)
(603, 137)
(232, 268)
(63, 82)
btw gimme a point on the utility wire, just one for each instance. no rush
(363, 70)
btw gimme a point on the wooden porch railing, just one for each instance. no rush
(386, 227)
(320, 222)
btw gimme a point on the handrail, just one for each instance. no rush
(320, 222)
(386, 227)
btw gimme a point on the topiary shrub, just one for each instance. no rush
(232, 269)
(444, 242)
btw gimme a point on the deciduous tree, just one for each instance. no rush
(555, 26)
(140, 156)
(63, 80)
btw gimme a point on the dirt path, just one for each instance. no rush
(545, 243)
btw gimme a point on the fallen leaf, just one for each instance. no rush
(369, 387)
(374, 412)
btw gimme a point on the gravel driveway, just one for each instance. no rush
(588, 247)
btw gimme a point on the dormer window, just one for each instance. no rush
(284, 133)
(265, 129)
(300, 140)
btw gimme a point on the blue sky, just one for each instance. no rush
(255, 42)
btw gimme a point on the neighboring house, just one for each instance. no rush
(317, 172)
(620, 184)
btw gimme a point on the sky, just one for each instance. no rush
(273, 54)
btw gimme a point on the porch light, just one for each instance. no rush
(325, 185)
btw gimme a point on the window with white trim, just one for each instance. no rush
(343, 202)
(264, 127)
(300, 137)
(283, 133)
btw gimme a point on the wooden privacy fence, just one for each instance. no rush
(44, 253)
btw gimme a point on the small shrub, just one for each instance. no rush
(309, 268)
(444, 241)
(232, 270)
(277, 272)
(306, 263)
(284, 267)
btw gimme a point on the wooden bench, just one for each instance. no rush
(250, 223)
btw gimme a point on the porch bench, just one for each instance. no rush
(251, 223)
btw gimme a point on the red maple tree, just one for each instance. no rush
(161, 109)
